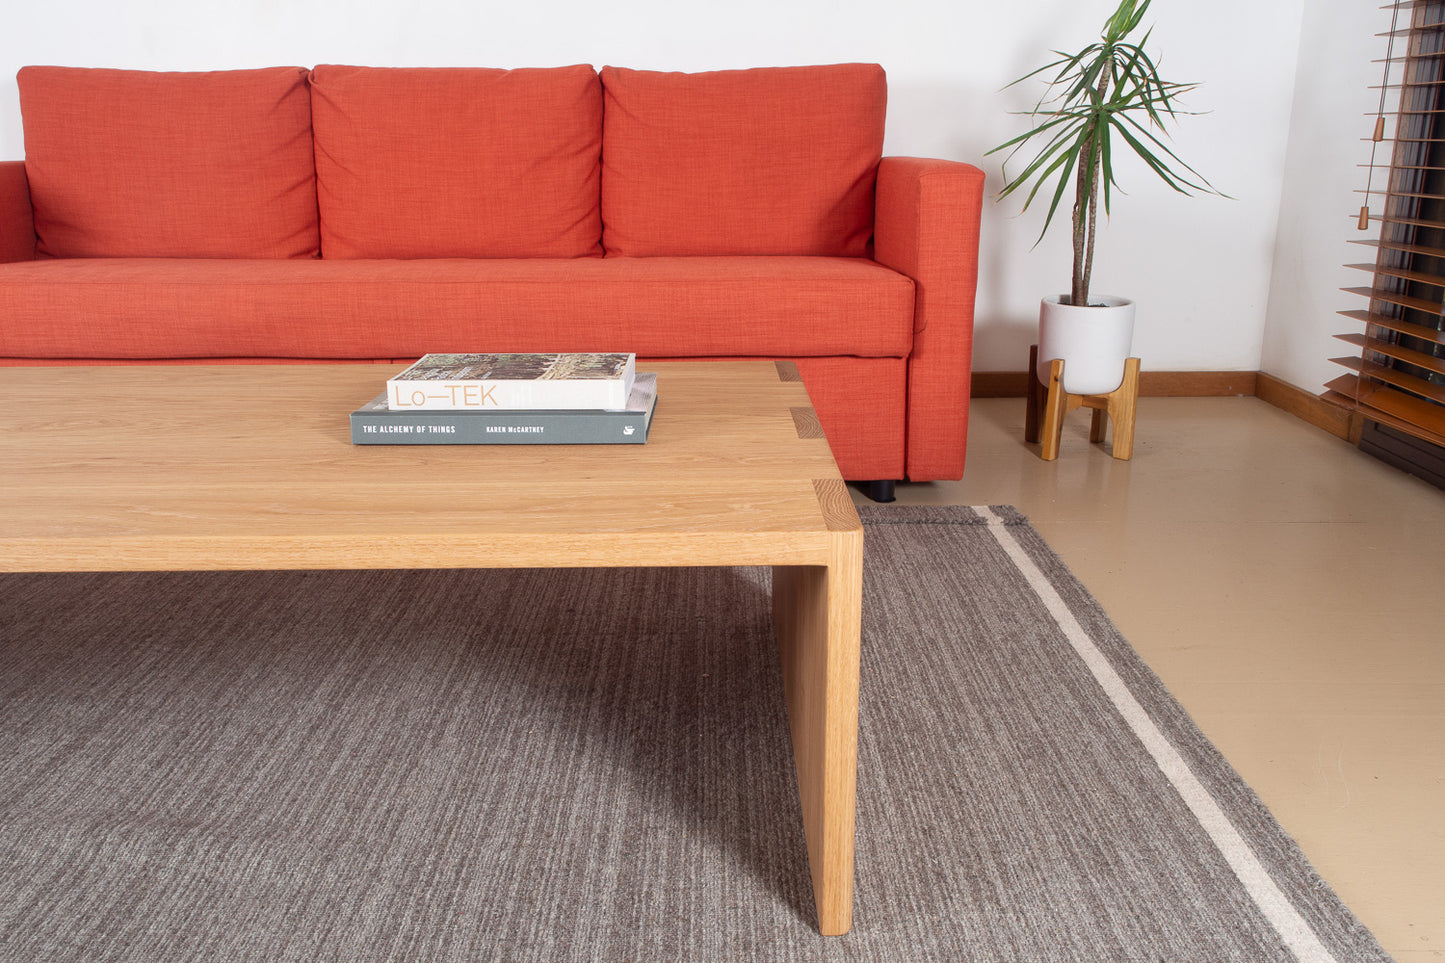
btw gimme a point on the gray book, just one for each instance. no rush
(375, 423)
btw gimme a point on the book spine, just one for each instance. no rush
(499, 428)
(421, 395)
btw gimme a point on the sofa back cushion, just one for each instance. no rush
(458, 162)
(131, 163)
(773, 160)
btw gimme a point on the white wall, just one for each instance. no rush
(1199, 267)
(1327, 129)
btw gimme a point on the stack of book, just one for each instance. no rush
(511, 399)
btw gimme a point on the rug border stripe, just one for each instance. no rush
(1266, 894)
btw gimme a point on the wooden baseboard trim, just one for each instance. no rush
(1000, 384)
(1340, 420)
(1152, 384)
(1330, 412)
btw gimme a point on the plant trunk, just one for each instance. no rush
(1086, 206)
(1079, 293)
(1093, 219)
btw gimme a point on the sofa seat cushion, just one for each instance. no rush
(134, 163)
(657, 307)
(773, 160)
(458, 162)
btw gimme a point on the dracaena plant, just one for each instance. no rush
(1105, 96)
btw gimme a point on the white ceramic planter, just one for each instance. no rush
(1093, 341)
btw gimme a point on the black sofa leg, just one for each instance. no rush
(879, 491)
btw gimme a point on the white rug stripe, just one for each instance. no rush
(1276, 907)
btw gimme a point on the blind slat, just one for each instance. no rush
(1408, 409)
(1397, 195)
(1396, 324)
(1408, 222)
(1404, 274)
(1344, 389)
(1403, 300)
(1388, 407)
(1408, 355)
(1390, 376)
(1414, 31)
(1400, 246)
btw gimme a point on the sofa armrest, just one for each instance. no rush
(926, 226)
(17, 218)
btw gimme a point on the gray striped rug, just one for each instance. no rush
(594, 765)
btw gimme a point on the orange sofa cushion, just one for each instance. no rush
(17, 219)
(769, 161)
(339, 309)
(458, 162)
(130, 163)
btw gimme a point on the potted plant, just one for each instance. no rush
(1105, 96)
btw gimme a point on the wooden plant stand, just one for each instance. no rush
(1055, 403)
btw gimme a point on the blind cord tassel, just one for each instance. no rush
(1379, 135)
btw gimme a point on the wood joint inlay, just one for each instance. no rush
(805, 420)
(836, 505)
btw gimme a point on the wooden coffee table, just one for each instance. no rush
(252, 467)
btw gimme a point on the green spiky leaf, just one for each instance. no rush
(1110, 87)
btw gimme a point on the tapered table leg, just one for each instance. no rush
(817, 613)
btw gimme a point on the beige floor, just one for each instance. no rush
(1245, 554)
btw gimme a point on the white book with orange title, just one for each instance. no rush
(498, 382)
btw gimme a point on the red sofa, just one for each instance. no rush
(375, 214)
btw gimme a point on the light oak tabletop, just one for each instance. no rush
(251, 466)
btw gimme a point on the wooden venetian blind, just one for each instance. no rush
(1398, 377)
